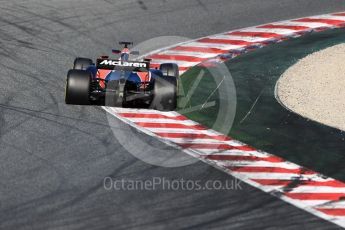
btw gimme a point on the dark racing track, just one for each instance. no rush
(54, 157)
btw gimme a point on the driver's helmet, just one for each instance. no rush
(124, 54)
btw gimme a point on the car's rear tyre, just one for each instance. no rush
(82, 63)
(165, 93)
(169, 70)
(78, 87)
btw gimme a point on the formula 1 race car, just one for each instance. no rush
(122, 83)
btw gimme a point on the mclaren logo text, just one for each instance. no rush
(126, 64)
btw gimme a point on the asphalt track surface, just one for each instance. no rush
(54, 157)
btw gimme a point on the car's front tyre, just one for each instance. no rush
(169, 70)
(82, 63)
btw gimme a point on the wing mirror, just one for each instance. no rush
(134, 52)
(116, 51)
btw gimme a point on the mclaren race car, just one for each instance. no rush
(122, 82)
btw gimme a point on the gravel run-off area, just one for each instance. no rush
(314, 87)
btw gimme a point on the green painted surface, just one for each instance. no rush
(269, 126)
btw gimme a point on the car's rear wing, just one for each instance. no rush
(111, 64)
